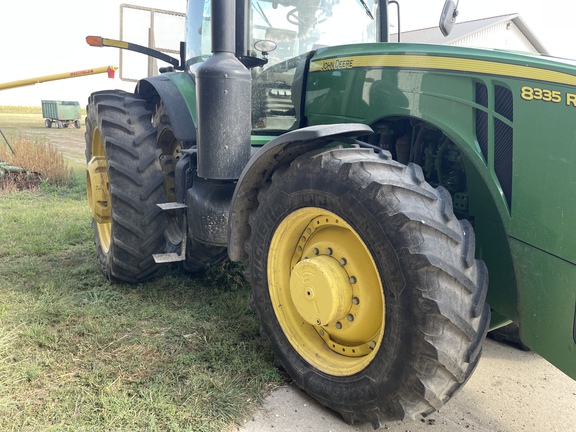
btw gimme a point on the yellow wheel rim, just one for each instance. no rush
(97, 189)
(326, 291)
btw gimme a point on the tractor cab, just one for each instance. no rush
(275, 40)
(276, 31)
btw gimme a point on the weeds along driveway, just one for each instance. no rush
(70, 141)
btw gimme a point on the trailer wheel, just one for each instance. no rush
(124, 183)
(198, 255)
(366, 284)
(48, 123)
(59, 124)
(77, 124)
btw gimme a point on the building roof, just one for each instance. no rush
(465, 29)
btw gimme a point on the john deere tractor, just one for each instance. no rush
(371, 186)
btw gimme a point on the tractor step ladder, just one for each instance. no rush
(173, 256)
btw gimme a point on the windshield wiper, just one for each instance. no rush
(363, 3)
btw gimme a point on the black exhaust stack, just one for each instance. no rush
(223, 102)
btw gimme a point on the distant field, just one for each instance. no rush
(16, 122)
(21, 109)
(25, 109)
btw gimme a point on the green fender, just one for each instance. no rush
(178, 92)
(280, 151)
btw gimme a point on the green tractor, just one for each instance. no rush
(371, 186)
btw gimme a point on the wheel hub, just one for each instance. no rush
(97, 188)
(326, 291)
(320, 290)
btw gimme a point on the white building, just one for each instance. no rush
(507, 32)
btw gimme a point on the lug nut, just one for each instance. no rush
(343, 261)
(353, 279)
(338, 325)
(329, 251)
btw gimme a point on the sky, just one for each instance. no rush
(39, 38)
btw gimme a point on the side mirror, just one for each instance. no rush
(448, 17)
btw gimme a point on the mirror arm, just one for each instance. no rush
(398, 14)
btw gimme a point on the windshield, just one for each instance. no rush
(198, 31)
(295, 26)
(301, 26)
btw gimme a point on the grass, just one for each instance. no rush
(78, 353)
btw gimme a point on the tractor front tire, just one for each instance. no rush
(366, 284)
(124, 185)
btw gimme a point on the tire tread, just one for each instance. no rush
(136, 184)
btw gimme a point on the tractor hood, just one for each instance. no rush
(440, 57)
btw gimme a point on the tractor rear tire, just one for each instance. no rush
(124, 185)
(199, 256)
(366, 284)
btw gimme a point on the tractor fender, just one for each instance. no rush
(178, 92)
(280, 151)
